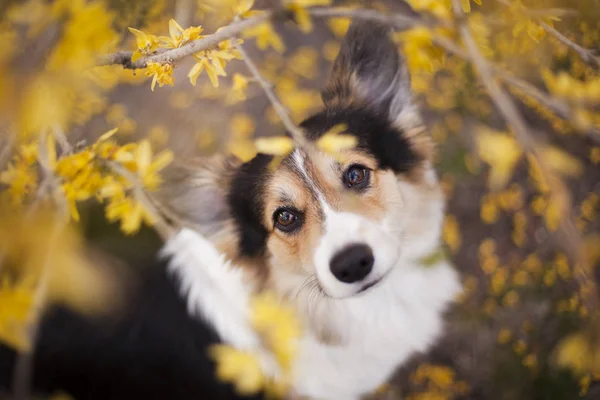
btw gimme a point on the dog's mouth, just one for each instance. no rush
(369, 285)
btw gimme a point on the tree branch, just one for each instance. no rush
(585, 54)
(124, 57)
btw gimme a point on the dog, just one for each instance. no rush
(341, 237)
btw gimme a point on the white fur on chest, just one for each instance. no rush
(381, 329)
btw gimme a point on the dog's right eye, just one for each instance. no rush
(287, 220)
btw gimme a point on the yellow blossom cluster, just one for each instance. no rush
(279, 328)
(433, 381)
(90, 173)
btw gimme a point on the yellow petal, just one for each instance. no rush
(143, 156)
(51, 150)
(162, 160)
(108, 135)
(175, 29)
(141, 37)
(278, 145)
(335, 143)
(212, 75)
(562, 162)
(136, 56)
(195, 72)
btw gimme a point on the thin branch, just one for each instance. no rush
(6, 149)
(164, 229)
(296, 133)
(571, 237)
(557, 106)
(124, 58)
(397, 21)
(585, 54)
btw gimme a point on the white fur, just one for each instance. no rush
(381, 329)
(215, 291)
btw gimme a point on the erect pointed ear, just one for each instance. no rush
(370, 71)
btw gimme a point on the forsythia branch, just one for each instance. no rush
(585, 54)
(208, 42)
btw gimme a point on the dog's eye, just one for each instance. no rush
(286, 220)
(356, 176)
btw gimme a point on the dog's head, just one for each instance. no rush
(336, 225)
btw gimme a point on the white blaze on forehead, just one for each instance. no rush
(299, 160)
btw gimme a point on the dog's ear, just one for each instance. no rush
(370, 71)
(195, 192)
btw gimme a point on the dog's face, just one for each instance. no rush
(334, 225)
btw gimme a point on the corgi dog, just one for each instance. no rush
(341, 238)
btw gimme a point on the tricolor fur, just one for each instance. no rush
(303, 229)
(340, 237)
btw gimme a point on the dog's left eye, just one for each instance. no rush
(356, 176)
(287, 220)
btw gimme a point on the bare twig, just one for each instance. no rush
(570, 236)
(184, 10)
(557, 106)
(6, 149)
(397, 21)
(296, 133)
(585, 54)
(124, 58)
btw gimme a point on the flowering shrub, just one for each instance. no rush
(510, 91)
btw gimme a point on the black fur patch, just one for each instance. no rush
(375, 134)
(245, 202)
(154, 350)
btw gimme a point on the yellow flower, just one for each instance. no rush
(87, 33)
(578, 353)
(179, 36)
(148, 168)
(339, 25)
(451, 233)
(466, 5)
(130, 212)
(501, 152)
(277, 145)
(439, 8)
(238, 367)
(242, 7)
(161, 73)
(238, 89)
(265, 37)
(16, 306)
(213, 62)
(301, 15)
(333, 142)
(146, 44)
(277, 322)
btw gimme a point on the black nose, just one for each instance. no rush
(353, 263)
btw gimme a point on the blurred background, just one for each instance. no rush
(522, 222)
